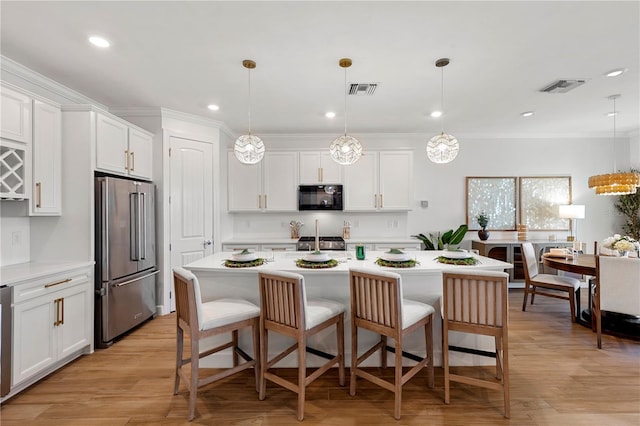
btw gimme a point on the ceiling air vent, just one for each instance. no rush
(562, 86)
(362, 89)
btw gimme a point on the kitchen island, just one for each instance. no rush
(422, 283)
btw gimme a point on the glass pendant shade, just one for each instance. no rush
(345, 150)
(442, 148)
(249, 149)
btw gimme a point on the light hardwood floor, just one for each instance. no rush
(558, 377)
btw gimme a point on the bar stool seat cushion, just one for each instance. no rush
(320, 310)
(413, 311)
(218, 313)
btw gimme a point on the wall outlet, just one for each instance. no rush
(16, 238)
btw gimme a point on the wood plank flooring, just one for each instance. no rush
(558, 377)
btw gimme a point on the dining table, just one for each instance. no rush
(577, 263)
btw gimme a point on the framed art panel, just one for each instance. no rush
(496, 197)
(539, 200)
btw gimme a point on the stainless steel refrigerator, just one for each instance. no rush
(125, 256)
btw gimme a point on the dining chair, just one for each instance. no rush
(535, 281)
(617, 288)
(477, 302)
(199, 321)
(377, 305)
(285, 309)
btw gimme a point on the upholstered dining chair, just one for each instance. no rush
(286, 310)
(377, 305)
(617, 288)
(476, 302)
(200, 320)
(534, 281)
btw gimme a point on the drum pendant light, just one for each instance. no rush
(615, 183)
(345, 149)
(249, 149)
(442, 148)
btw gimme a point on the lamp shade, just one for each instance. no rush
(571, 211)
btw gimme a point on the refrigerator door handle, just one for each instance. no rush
(104, 194)
(135, 279)
(134, 215)
(142, 238)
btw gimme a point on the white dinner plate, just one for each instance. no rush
(458, 254)
(395, 257)
(317, 257)
(246, 257)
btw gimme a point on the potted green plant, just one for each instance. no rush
(483, 221)
(440, 241)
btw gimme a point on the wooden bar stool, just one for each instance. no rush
(201, 320)
(377, 305)
(286, 310)
(476, 302)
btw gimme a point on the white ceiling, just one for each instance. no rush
(185, 55)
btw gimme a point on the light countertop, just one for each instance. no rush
(15, 274)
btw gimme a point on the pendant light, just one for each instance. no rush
(442, 148)
(345, 149)
(249, 149)
(615, 183)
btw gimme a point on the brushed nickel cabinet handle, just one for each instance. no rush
(133, 161)
(39, 194)
(57, 283)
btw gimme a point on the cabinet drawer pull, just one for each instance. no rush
(57, 283)
(39, 194)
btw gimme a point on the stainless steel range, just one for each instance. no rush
(324, 243)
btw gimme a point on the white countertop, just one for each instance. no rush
(285, 261)
(352, 240)
(15, 274)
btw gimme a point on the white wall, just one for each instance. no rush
(443, 185)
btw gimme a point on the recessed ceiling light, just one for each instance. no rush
(99, 41)
(436, 114)
(527, 113)
(616, 72)
(213, 107)
(330, 114)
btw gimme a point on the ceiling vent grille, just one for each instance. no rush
(562, 86)
(362, 89)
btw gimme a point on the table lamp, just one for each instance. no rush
(573, 212)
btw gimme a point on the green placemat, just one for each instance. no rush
(403, 264)
(449, 261)
(235, 264)
(301, 263)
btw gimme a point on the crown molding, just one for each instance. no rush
(170, 114)
(18, 70)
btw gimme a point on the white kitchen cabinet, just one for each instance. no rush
(380, 181)
(279, 247)
(122, 149)
(240, 247)
(46, 199)
(318, 167)
(15, 120)
(270, 185)
(52, 320)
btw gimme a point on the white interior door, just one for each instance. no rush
(191, 201)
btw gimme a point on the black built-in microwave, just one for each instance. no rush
(320, 197)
